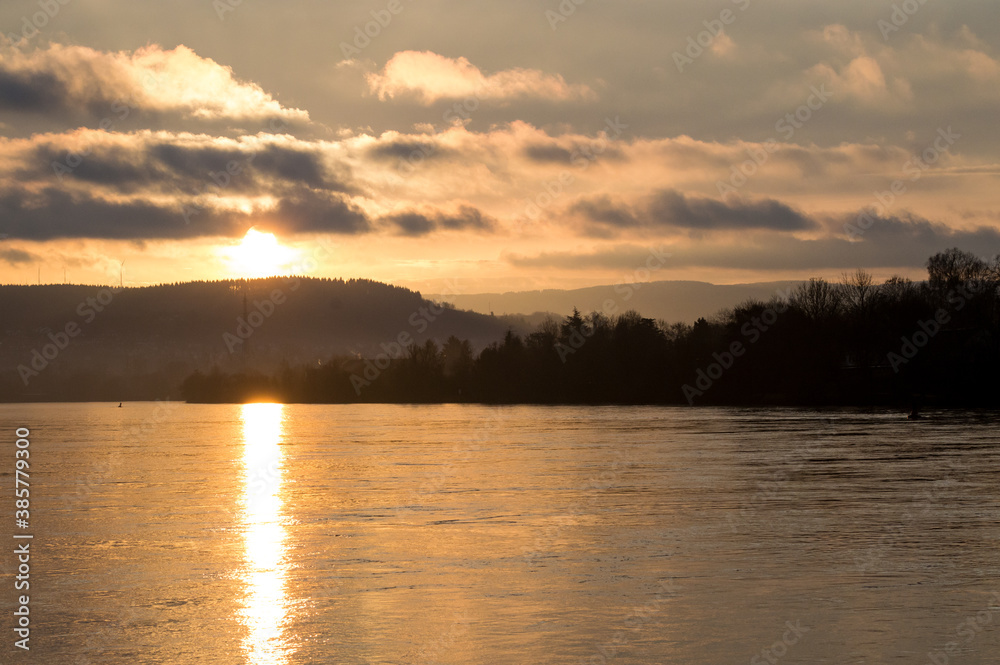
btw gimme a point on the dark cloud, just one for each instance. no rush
(54, 213)
(554, 153)
(30, 91)
(413, 223)
(306, 211)
(194, 160)
(548, 152)
(408, 149)
(467, 217)
(16, 256)
(246, 169)
(293, 165)
(674, 209)
(108, 165)
(671, 208)
(114, 170)
(190, 169)
(605, 211)
(890, 243)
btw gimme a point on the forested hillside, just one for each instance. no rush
(853, 343)
(90, 342)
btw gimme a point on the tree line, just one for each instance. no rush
(854, 342)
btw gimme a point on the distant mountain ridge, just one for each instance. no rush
(673, 301)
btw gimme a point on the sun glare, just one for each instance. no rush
(260, 254)
(264, 609)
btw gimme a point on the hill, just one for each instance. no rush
(857, 342)
(672, 301)
(71, 342)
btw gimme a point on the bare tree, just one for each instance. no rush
(817, 299)
(898, 289)
(860, 292)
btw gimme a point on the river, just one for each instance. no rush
(288, 534)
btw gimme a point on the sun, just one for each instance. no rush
(260, 254)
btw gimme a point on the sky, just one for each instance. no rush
(495, 146)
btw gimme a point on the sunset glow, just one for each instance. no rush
(501, 332)
(260, 255)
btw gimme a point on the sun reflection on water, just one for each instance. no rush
(264, 605)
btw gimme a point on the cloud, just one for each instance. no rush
(53, 213)
(572, 149)
(603, 210)
(670, 208)
(892, 242)
(16, 256)
(392, 150)
(308, 211)
(418, 223)
(863, 80)
(63, 79)
(30, 91)
(675, 209)
(548, 152)
(466, 182)
(164, 162)
(429, 77)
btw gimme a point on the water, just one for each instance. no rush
(465, 534)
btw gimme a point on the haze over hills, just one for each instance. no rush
(672, 301)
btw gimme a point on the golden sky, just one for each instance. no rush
(511, 146)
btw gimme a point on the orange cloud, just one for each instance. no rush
(429, 77)
(176, 81)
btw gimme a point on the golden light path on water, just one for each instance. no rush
(264, 605)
